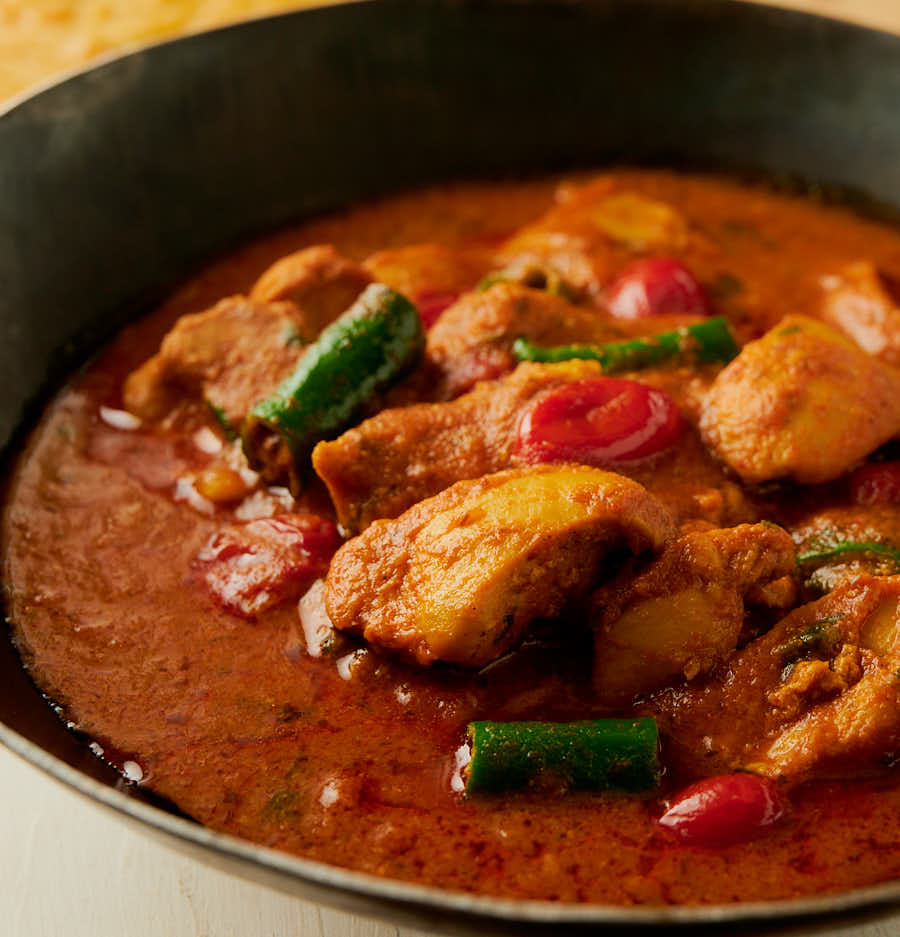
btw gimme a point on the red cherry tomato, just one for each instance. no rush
(431, 303)
(600, 421)
(878, 483)
(256, 565)
(655, 286)
(723, 810)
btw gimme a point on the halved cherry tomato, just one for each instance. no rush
(723, 810)
(655, 286)
(600, 421)
(431, 303)
(878, 483)
(256, 565)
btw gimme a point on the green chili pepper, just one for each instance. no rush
(602, 754)
(851, 546)
(374, 343)
(820, 636)
(705, 342)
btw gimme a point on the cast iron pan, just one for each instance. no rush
(119, 180)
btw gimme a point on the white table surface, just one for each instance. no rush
(68, 869)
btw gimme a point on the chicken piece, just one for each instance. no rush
(555, 262)
(802, 402)
(318, 280)
(564, 242)
(863, 303)
(231, 355)
(818, 696)
(398, 457)
(683, 614)
(459, 576)
(473, 339)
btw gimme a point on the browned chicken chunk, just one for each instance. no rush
(473, 339)
(318, 280)
(803, 402)
(391, 461)
(683, 614)
(388, 462)
(231, 355)
(460, 576)
(818, 696)
(240, 350)
(572, 241)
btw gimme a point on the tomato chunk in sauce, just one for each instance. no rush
(680, 514)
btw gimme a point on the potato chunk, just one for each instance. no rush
(640, 222)
(459, 576)
(683, 614)
(802, 402)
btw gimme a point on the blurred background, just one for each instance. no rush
(39, 38)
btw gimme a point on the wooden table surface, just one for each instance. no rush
(69, 869)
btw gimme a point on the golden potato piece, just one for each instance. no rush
(802, 402)
(459, 577)
(683, 614)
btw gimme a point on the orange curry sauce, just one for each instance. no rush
(349, 757)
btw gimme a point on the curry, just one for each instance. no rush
(538, 540)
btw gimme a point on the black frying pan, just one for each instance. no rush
(121, 179)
